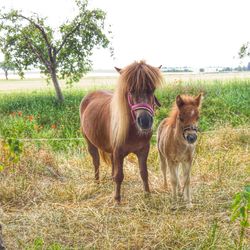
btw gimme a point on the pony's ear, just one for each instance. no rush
(198, 99)
(158, 104)
(118, 70)
(179, 101)
(160, 67)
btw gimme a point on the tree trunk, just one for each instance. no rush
(57, 86)
(6, 74)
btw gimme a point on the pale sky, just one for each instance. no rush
(196, 33)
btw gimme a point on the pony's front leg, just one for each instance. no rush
(142, 156)
(173, 179)
(186, 167)
(163, 164)
(118, 175)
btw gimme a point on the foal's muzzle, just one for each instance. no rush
(145, 120)
(191, 138)
(190, 134)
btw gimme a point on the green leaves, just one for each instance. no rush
(244, 50)
(11, 150)
(240, 210)
(241, 205)
(29, 42)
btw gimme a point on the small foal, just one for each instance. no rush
(176, 137)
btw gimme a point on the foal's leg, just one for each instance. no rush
(163, 164)
(142, 156)
(173, 179)
(118, 175)
(178, 179)
(186, 166)
(95, 158)
(112, 162)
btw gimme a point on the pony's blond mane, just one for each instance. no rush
(136, 77)
(188, 100)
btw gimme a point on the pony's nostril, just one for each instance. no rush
(191, 138)
(145, 121)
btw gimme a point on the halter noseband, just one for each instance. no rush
(189, 127)
(138, 106)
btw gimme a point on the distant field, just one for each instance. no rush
(110, 79)
(49, 199)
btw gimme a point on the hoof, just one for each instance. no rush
(189, 205)
(117, 199)
(97, 181)
(174, 207)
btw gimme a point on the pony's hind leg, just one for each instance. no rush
(95, 158)
(163, 165)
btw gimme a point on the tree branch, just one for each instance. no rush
(36, 51)
(42, 31)
(66, 37)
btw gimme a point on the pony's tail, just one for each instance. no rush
(105, 157)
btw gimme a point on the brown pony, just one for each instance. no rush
(119, 123)
(176, 137)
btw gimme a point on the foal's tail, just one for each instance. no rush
(105, 157)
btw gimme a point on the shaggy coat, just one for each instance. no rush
(176, 137)
(108, 126)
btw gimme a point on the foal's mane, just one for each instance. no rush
(135, 78)
(188, 100)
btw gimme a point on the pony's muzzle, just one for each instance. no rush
(144, 120)
(191, 138)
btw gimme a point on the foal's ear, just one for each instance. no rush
(158, 104)
(118, 70)
(198, 99)
(160, 67)
(179, 101)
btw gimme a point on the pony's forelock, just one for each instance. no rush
(136, 77)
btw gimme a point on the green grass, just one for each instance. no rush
(37, 114)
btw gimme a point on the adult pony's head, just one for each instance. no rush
(134, 100)
(188, 116)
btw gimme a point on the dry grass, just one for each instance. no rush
(50, 201)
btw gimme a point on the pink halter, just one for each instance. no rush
(137, 106)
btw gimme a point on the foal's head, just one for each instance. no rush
(140, 81)
(188, 116)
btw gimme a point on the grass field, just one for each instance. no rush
(50, 201)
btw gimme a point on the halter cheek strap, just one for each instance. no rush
(190, 127)
(143, 105)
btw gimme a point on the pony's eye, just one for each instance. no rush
(149, 92)
(181, 118)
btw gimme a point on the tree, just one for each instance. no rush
(29, 42)
(244, 50)
(6, 66)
